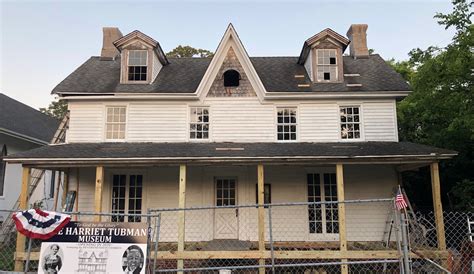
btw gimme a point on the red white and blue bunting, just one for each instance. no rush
(39, 224)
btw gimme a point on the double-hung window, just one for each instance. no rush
(127, 196)
(323, 217)
(199, 123)
(326, 65)
(115, 123)
(350, 122)
(137, 65)
(286, 124)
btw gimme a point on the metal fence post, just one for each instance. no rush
(405, 250)
(148, 238)
(398, 234)
(270, 234)
(158, 221)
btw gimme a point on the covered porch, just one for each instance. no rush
(249, 201)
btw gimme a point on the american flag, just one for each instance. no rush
(400, 202)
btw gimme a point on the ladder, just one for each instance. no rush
(8, 225)
(412, 219)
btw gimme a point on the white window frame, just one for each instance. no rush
(335, 66)
(277, 124)
(127, 193)
(216, 178)
(202, 123)
(148, 71)
(323, 235)
(361, 123)
(106, 123)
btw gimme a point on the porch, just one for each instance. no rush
(253, 209)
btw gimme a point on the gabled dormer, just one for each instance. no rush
(141, 56)
(322, 56)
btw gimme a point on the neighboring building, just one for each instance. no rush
(23, 128)
(147, 131)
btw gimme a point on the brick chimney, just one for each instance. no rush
(109, 51)
(357, 33)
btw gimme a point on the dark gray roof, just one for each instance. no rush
(235, 151)
(21, 119)
(278, 75)
(183, 75)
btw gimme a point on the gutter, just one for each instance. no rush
(130, 160)
(297, 95)
(23, 137)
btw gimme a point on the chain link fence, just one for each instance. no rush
(299, 238)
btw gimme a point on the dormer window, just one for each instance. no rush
(326, 65)
(137, 65)
(231, 78)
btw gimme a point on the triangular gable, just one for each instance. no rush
(229, 41)
(138, 35)
(245, 88)
(327, 34)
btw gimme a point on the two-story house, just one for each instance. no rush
(148, 131)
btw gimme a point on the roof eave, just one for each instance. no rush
(366, 159)
(23, 136)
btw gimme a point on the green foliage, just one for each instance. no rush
(440, 111)
(56, 109)
(463, 195)
(187, 51)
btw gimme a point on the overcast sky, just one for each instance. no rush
(44, 41)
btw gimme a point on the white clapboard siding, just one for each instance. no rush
(240, 120)
(318, 122)
(365, 222)
(86, 122)
(232, 120)
(156, 122)
(380, 121)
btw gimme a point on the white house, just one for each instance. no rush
(147, 131)
(23, 128)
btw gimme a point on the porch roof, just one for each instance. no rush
(148, 153)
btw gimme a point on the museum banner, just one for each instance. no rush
(87, 247)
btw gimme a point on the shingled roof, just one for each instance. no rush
(19, 119)
(140, 152)
(183, 75)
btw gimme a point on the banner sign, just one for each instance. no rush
(87, 247)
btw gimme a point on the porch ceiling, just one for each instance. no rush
(75, 154)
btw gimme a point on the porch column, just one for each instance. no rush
(181, 213)
(341, 214)
(23, 205)
(438, 208)
(261, 215)
(99, 181)
(65, 188)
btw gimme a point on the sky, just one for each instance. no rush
(42, 42)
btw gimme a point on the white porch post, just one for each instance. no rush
(181, 213)
(261, 216)
(99, 182)
(341, 215)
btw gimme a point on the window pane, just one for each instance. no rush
(199, 123)
(286, 124)
(350, 122)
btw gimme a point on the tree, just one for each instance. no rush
(440, 111)
(56, 109)
(187, 51)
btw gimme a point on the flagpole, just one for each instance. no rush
(28, 255)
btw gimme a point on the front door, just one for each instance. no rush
(226, 224)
